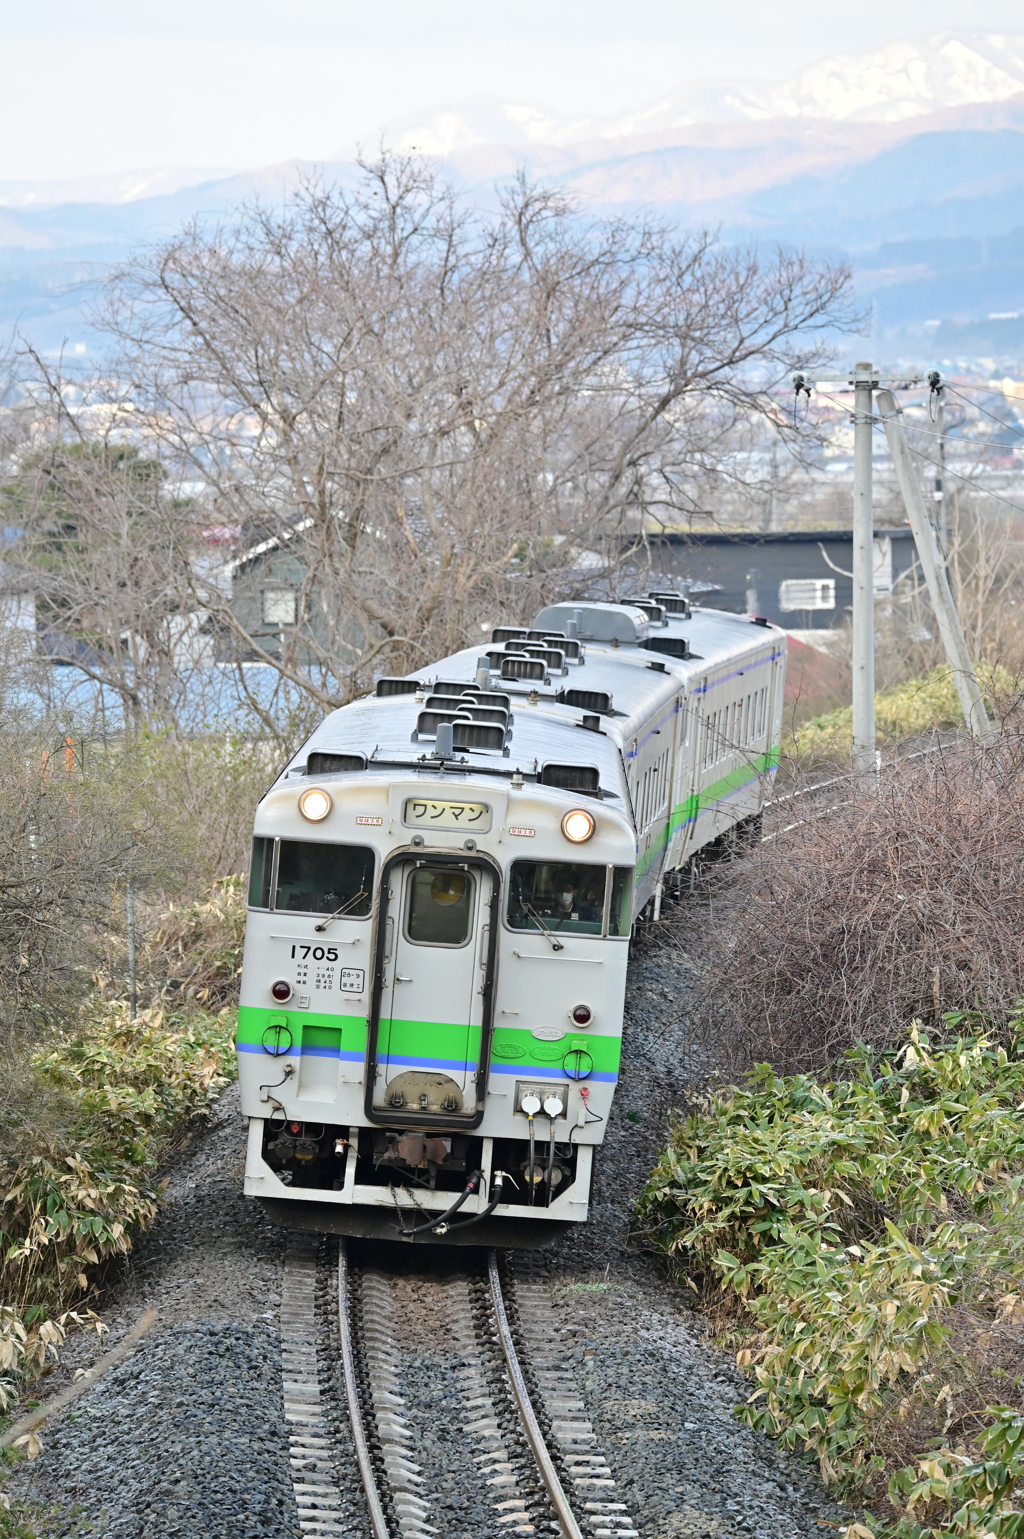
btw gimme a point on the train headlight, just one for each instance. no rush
(314, 804)
(578, 826)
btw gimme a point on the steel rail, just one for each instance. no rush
(378, 1521)
(545, 1464)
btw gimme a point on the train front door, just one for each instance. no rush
(434, 989)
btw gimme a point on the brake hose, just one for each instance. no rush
(553, 1107)
(531, 1106)
(499, 1180)
(467, 1191)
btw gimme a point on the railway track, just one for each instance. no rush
(424, 1402)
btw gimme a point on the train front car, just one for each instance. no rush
(434, 970)
(442, 891)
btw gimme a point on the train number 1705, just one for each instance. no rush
(318, 953)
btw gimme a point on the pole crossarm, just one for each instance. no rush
(934, 567)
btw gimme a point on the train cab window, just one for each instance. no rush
(261, 873)
(323, 878)
(440, 906)
(557, 895)
(620, 911)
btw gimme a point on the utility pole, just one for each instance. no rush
(935, 573)
(935, 382)
(864, 381)
(133, 995)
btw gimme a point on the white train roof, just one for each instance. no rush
(642, 684)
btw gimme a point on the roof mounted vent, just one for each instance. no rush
(654, 612)
(396, 687)
(532, 668)
(555, 659)
(488, 713)
(587, 700)
(672, 602)
(448, 687)
(427, 722)
(477, 734)
(509, 633)
(571, 777)
(669, 646)
(335, 763)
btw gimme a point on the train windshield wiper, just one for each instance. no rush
(350, 903)
(556, 944)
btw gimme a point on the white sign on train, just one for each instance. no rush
(420, 813)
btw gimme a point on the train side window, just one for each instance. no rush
(261, 872)
(323, 878)
(620, 913)
(559, 896)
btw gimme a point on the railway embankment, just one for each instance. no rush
(848, 1218)
(189, 1434)
(195, 1427)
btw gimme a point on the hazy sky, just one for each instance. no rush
(123, 84)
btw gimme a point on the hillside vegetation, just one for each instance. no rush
(880, 901)
(859, 1240)
(908, 710)
(94, 1101)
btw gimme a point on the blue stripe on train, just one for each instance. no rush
(530, 1071)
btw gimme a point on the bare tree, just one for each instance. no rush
(413, 418)
(96, 554)
(400, 420)
(901, 899)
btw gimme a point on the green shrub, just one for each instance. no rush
(919, 706)
(74, 1193)
(861, 1243)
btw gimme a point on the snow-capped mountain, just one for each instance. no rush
(890, 85)
(915, 150)
(904, 80)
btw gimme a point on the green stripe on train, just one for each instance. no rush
(512, 1044)
(438, 1040)
(423, 1039)
(705, 801)
(313, 1027)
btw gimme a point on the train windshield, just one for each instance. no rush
(557, 895)
(313, 878)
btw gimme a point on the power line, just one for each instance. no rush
(999, 420)
(927, 432)
(987, 390)
(965, 479)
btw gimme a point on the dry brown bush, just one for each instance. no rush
(905, 901)
(194, 952)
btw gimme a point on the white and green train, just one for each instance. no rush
(444, 883)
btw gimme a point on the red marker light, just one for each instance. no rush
(281, 990)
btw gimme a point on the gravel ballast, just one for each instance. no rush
(186, 1435)
(660, 1396)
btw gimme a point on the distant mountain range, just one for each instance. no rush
(910, 159)
(890, 85)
